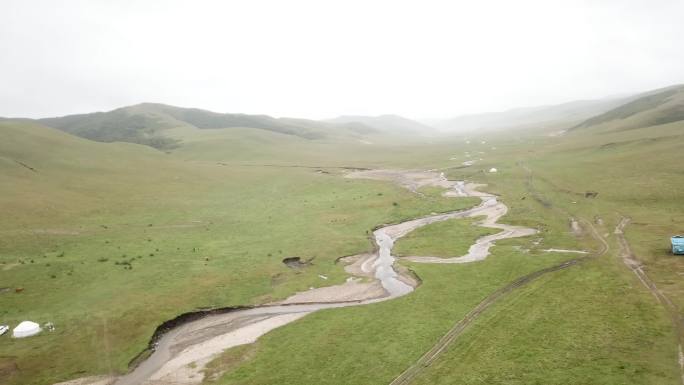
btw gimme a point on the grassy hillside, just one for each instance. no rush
(48, 171)
(563, 115)
(652, 109)
(107, 240)
(258, 147)
(146, 124)
(207, 120)
(120, 125)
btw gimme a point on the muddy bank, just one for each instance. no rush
(178, 321)
(183, 346)
(297, 262)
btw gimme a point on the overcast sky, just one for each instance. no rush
(319, 59)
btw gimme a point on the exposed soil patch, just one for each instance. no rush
(352, 290)
(575, 227)
(8, 367)
(565, 251)
(94, 380)
(297, 262)
(359, 265)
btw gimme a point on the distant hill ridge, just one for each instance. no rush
(653, 108)
(565, 113)
(143, 124)
(386, 123)
(661, 106)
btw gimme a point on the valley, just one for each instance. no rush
(109, 237)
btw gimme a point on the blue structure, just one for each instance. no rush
(678, 244)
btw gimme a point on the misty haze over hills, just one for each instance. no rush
(146, 123)
(394, 123)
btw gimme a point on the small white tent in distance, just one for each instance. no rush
(26, 329)
(493, 169)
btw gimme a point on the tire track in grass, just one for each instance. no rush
(632, 262)
(447, 339)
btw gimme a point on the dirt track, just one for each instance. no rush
(633, 263)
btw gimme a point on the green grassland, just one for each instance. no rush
(107, 240)
(592, 324)
(608, 328)
(446, 239)
(604, 330)
(373, 344)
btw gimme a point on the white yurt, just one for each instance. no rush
(26, 329)
(493, 170)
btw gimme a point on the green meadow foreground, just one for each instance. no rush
(109, 240)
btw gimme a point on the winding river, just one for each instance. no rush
(182, 352)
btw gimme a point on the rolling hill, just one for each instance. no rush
(391, 124)
(145, 124)
(553, 115)
(649, 109)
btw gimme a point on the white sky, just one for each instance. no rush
(320, 59)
